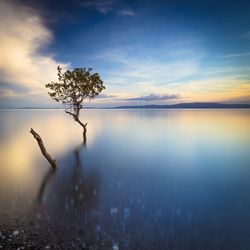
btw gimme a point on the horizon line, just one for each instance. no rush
(193, 105)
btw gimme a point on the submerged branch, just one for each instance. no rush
(43, 150)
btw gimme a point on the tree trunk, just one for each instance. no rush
(84, 126)
(43, 150)
(85, 134)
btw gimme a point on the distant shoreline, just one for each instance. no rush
(195, 105)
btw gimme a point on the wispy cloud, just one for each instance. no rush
(141, 68)
(127, 12)
(155, 97)
(105, 96)
(218, 89)
(246, 35)
(7, 93)
(108, 6)
(22, 35)
(99, 5)
(237, 55)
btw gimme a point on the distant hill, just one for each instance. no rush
(193, 105)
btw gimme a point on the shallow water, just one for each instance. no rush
(147, 179)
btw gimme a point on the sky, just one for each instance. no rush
(146, 52)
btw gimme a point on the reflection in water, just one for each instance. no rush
(48, 176)
(51, 172)
(149, 179)
(67, 195)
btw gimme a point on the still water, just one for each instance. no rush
(146, 179)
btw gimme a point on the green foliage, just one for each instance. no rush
(75, 86)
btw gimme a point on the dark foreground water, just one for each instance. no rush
(147, 179)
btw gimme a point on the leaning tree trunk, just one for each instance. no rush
(84, 126)
(76, 118)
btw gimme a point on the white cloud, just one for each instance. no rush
(22, 35)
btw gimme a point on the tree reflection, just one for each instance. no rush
(69, 194)
(45, 182)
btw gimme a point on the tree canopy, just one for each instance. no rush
(75, 86)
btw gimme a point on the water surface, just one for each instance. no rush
(147, 179)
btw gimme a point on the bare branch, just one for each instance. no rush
(43, 150)
(70, 113)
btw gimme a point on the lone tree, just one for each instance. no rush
(72, 88)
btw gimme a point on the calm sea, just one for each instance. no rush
(146, 179)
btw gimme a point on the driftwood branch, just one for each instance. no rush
(43, 150)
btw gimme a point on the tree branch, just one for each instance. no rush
(43, 150)
(70, 113)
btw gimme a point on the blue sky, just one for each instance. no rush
(147, 52)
